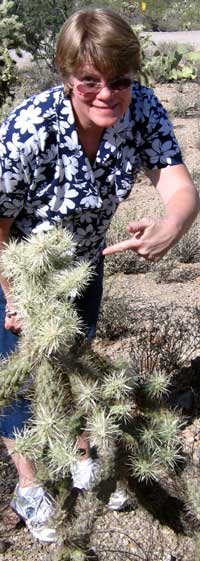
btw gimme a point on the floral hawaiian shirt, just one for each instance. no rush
(47, 179)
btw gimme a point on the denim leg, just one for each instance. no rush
(17, 414)
(88, 303)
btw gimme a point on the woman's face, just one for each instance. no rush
(99, 101)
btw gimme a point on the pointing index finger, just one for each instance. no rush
(132, 244)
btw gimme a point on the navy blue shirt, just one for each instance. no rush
(46, 177)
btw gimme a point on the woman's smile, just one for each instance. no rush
(103, 107)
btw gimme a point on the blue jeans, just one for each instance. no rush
(17, 414)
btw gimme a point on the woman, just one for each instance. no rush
(71, 155)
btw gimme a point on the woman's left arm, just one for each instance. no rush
(152, 238)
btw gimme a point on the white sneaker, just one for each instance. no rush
(119, 499)
(37, 508)
(84, 475)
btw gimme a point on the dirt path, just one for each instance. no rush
(181, 37)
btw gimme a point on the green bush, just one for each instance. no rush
(167, 64)
(11, 37)
(41, 22)
(167, 15)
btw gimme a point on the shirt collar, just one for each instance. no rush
(113, 136)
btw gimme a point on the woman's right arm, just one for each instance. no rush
(11, 321)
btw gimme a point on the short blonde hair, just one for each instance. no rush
(100, 37)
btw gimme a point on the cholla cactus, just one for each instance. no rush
(73, 389)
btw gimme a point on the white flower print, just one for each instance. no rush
(142, 109)
(67, 112)
(42, 211)
(91, 201)
(165, 127)
(3, 149)
(47, 179)
(129, 157)
(112, 138)
(42, 136)
(59, 173)
(14, 146)
(42, 227)
(28, 119)
(160, 151)
(86, 236)
(70, 141)
(88, 172)
(50, 154)
(11, 208)
(63, 199)
(12, 178)
(39, 176)
(41, 98)
(64, 126)
(70, 166)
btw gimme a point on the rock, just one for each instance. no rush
(4, 546)
(170, 557)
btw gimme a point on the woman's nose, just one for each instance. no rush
(105, 92)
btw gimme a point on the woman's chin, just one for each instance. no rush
(105, 117)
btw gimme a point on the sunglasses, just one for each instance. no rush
(93, 87)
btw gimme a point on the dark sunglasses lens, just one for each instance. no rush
(87, 88)
(121, 84)
(114, 85)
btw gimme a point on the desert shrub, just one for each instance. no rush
(184, 107)
(7, 75)
(30, 80)
(154, 15)
(187, 250)
(11, 37)
(115, 318)
(194, 57)
(41, 22)
(189, 14)
(168, 15)
(170, 272)
(169, 63)
(165, 338)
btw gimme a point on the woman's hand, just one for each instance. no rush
(12, 321)
(152, 238)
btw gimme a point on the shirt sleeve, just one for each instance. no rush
(13, 171)
(160, 147)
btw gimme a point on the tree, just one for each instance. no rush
(11, 37)
(41, 23)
